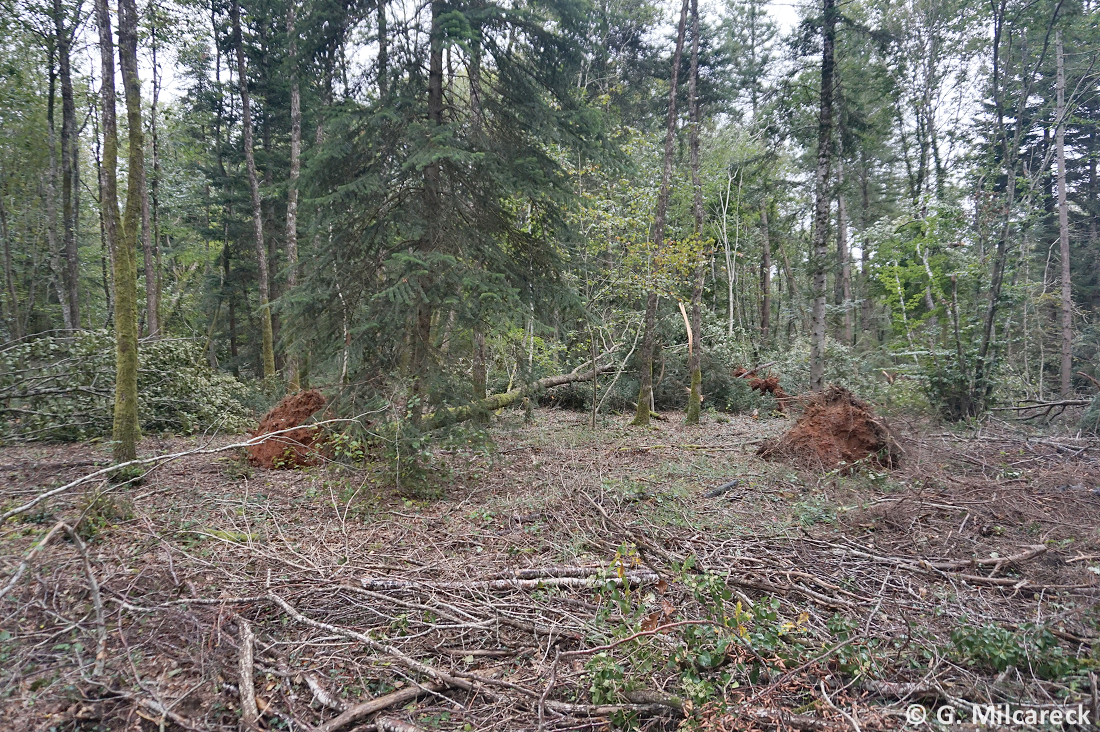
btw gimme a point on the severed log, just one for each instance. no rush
(632, 577)
(250, 714)
(389, 724)
(783, 719)
(453, 415)
(359, 711)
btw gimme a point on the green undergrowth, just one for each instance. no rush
(709, 648)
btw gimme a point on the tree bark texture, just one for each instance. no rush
(645, 390)
(695, 361)
(266, 330)
(15, 329)
(152, 305)
(765, 276)
(1066, 370)
(294, 381)
(423, 313)
(822, 197)
(125, 432)
(69, 151)
(57, 270)
(844, 265)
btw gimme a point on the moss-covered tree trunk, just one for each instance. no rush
(267, 354)
(645, 390)
(695, 357)
(125, 433)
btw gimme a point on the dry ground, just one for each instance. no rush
(562, 579)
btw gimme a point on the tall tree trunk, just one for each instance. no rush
(866, 306)
(152, 307)
(292, 188)
(150, 206)
(822, 197)
(71, 302)
(125, 433)
(423, 314)
(1094, 215)
(9, 276)
(844, 265)
(106, 246)
(267, 353)
(1066, 371)
(383, 52)
(645, 391)
(156, 165)
(57, 270)
(480, 365)
(695, 345)
(765, 277)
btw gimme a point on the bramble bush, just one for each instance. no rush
(62, 388)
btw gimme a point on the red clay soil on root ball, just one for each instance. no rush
(296, 447)
(835, 427)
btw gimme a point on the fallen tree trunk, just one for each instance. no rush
(452, 415)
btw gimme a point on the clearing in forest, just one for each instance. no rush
(562, 579)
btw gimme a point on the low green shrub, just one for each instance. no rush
(1033, 647)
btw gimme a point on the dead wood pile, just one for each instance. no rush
(293, 448)
(835, 427)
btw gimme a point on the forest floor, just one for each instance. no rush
(560, 579)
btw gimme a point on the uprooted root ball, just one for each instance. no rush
(295, 447)
(835, 427)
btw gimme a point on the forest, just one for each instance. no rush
(549, 364)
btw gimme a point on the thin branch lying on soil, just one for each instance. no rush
(38, 547)
(632, 578)
(360, 711)
(156, 461)
(452, 627)
(97, 602)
